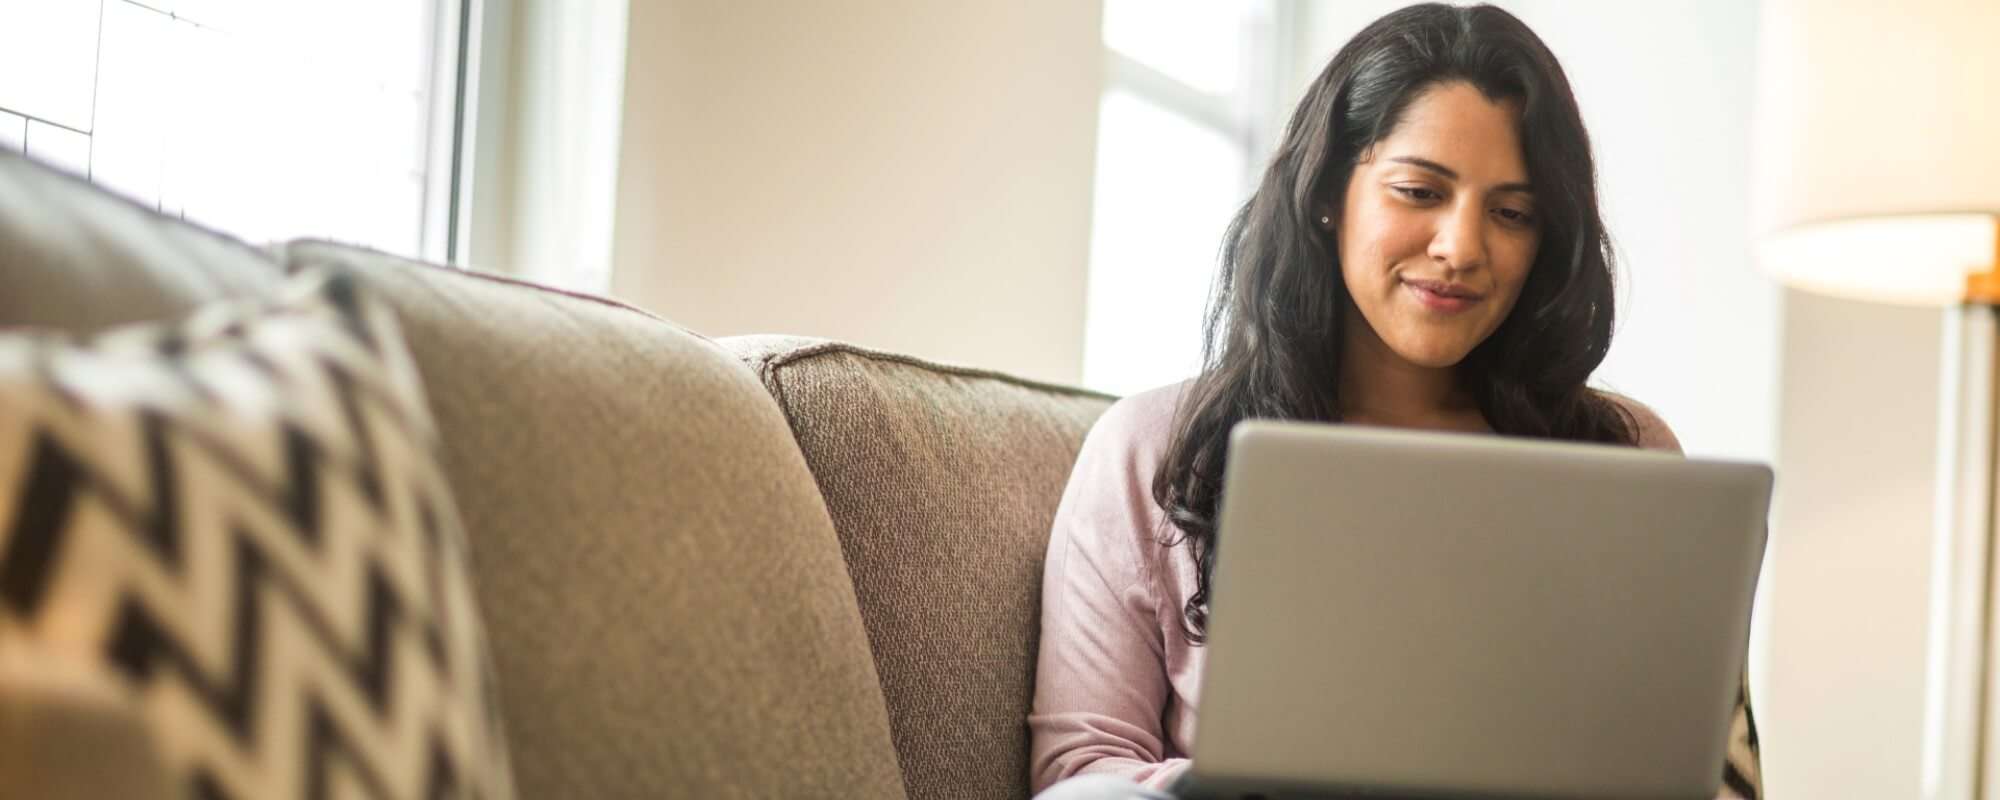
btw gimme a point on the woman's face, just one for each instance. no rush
(1438, 228)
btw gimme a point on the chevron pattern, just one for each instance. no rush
(244, 519)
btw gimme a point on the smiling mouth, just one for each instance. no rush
(1445, 289)
(1442, 296)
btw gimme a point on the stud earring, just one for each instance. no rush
(1326, 220)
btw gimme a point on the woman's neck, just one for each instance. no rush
(1379, 387)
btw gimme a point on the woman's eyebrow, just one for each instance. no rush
(1450, 174)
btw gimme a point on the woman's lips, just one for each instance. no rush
(1442, 297)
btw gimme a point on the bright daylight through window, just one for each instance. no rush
(1184, 125)
(267, 119)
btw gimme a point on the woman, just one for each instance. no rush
(1424, 251)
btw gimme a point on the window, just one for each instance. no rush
(267, 119)
(1188, 118)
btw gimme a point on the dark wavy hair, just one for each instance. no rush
(1272, 340)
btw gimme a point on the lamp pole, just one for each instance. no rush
(1959, 661)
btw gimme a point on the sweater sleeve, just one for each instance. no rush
(1101, 685)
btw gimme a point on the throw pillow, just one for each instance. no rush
(240, 521)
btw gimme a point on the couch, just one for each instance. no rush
(753, 567)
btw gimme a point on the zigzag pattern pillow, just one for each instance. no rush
(242, 520)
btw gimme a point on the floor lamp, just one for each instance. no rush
(1878, 178)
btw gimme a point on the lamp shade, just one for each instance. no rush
(1877, 170)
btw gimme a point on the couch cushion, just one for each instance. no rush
(665, 597)
(942, 482)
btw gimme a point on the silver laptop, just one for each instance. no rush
(1449, 615)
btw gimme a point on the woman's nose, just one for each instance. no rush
(1460, 240)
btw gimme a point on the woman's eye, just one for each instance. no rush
(1418, 193)
(1516, 216)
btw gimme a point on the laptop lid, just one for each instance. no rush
(1451, 614)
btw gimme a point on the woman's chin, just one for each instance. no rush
(1433, 355)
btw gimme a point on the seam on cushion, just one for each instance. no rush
(505, 280)
(768, 375)
(774, 362)
(776, 386)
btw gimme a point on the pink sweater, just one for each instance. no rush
(1117, 685)
(1115, 682)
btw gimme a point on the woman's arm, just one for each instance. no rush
(1100, 682)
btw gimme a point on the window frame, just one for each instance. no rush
(1251, 115)
(1248, 116)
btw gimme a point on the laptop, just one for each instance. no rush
(1405, 614)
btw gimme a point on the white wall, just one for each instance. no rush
(1843, 715)
(907, 175)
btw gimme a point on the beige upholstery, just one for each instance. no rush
(76, 259)
(662, 587)
(942, 483)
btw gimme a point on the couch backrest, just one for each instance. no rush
(662, 587)
(942, 483)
